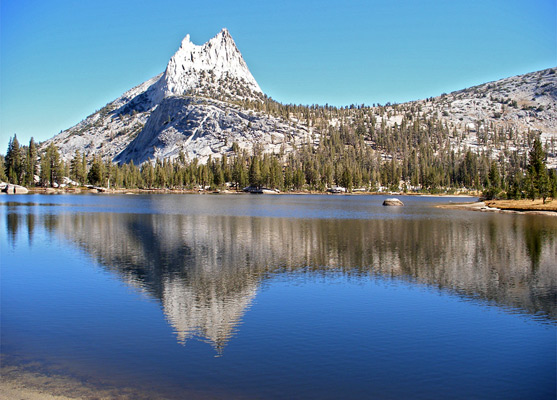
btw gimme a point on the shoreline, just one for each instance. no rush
(493, 206)
(38, 381)
(34, 380)
(84, 190)
(498, 206)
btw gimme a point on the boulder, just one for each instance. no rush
(14, 189)
(393, 202)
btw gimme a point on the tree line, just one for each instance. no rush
(342, 157)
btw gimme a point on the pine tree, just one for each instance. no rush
(298, 179)
(553, 184)
(52, 169)
(56, 164)
(218, 174)
(494, 182)
(82, 176)
(160, 174)
(255, 172)
(96, 172)
(148, 174)
(538, 182)
(494, 177)
(31, 161)
(225, 167)
(44, 174)
(346, 178)
(277, 179)
(239, 172)
(3, 177)
(77, 168)
(14, 161)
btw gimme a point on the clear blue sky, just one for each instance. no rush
(61, 60)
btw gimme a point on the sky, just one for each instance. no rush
(62, 60)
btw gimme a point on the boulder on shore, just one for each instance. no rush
(14, 189)
(393, 202)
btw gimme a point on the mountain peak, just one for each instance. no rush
(219, 58)
(224, 32)
(186, 41)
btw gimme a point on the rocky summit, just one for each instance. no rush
(207, 103)
(195, 107)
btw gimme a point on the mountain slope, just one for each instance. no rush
(204, 127)
(207, 99)
(522, 103)
(495, 117)
(193, 107)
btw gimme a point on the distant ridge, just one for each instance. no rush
(206, 100)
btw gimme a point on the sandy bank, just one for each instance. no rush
(33, 382)
(492, 206)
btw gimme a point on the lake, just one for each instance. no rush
(277, 297)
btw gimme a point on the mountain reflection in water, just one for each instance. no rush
(206, 270)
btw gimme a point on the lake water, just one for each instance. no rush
(279, 297)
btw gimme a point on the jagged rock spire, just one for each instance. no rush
(212, 63)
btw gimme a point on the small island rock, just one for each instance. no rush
(393, 202)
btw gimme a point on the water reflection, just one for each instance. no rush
(12, 221)
(206, 270)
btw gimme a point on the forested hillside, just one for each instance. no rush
(205, 124)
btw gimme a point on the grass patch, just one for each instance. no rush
(523, 205)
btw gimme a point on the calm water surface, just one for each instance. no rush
(273, 297)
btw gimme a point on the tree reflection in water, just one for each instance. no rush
(206, 270)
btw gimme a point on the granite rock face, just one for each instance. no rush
(10, 188)
(195, 108)
(206, 100)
